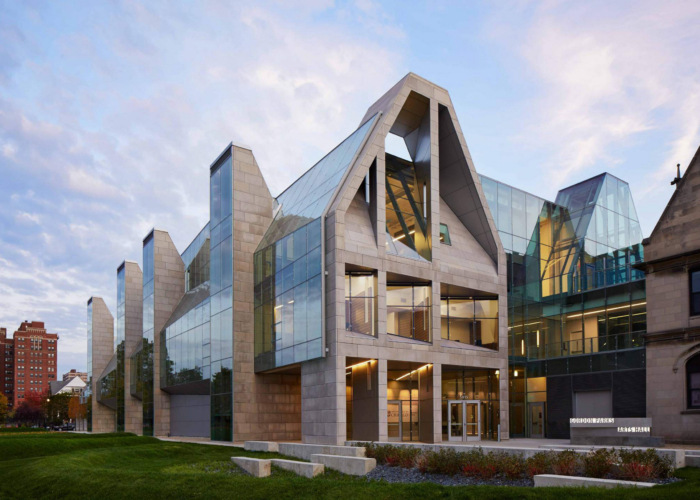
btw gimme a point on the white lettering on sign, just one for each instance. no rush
(634, 429)
(591, 420)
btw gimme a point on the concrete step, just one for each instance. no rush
(692, 461)
(306, 469)
(354, 466)
(304, 451)
(256, 467)
(586, 482)
(270, 446)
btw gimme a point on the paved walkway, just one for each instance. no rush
(510, 443)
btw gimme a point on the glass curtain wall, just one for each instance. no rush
(288, 327)
(575, 302)
(145, 356)
(289, 261)
(196, 259)
(221, 303)
(186, 357)
(119, 342)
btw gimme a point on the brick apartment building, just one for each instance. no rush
(28, 361)
(75, 373)
(6, 365)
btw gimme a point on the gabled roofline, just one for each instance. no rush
(679, 186)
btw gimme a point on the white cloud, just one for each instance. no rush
(115, 136)
(605, 75)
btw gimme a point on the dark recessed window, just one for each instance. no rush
(445, 235)
(692, 370)
(695, 292)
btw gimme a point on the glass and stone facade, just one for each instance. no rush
(388, 294)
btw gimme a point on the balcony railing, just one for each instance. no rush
(593, 345)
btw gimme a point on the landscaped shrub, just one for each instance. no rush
(539, 463)
(446, 461)
(511, 465)
(565, 463)
(599, 463)
(635, 465)
(642, 465)
(472, 462)
(402, 456)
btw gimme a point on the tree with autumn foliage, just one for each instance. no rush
(76, 410)
(4, 409)
(31, 410)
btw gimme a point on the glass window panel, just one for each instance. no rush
(399, 295)
(486, 308)
(504, 209)
(421, 296)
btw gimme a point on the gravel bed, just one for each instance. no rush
(401, 475)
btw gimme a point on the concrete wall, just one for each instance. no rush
(104, 419)
(264, 406)
(190, 415)
(168, 286)
(133, 321)
(673, 337)
(666, 391)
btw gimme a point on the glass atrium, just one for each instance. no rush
(575, 303)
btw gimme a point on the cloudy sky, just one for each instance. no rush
(110, 114)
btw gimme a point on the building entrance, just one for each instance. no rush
(536, 420)
(402, 420)
(464, 420)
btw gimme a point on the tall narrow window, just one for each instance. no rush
(695, 292)
(361, 302)
(692, 369)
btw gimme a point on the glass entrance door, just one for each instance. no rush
(394, 418)
(536, 420)
(464, 420)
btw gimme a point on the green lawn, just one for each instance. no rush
(126, 466)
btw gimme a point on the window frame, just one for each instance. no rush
(373, 299)
(445, 237)
(692, 293)
(692, 366)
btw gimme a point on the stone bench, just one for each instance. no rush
(354, 466)
(304, 451)
(269, 446)
(306, 469)
(585, 482)
(256, 467)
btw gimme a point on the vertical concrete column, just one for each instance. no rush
(133, 279)
(323, 419)
(168, 289)
(365, 402)
(429, 418)
(505, 402)
(383, 425)
(437, 402)
(103, 418)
